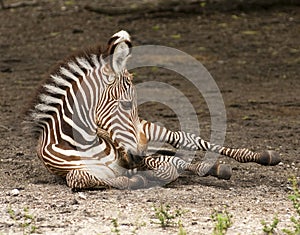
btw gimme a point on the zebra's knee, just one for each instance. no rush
(164, 173)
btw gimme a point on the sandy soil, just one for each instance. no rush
(254, 57)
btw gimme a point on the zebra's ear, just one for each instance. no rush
(120, 56)
(119, 50)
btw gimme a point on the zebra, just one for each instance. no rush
(86, 121)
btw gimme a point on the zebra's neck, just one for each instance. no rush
(117, 113)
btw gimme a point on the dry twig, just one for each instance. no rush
(18, 4)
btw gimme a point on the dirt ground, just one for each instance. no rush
(253, 55)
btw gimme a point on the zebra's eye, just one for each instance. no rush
(128, 81)
(128, 76)
(127, 105)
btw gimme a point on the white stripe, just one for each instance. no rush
(85, 135)
(84, 63)
(91, 110)
(95, 60)
(56, 90)
(88, 153)
(67, 73)
(75, 68)
(60, 81)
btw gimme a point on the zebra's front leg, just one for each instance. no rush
(165, 169)
(221, 171)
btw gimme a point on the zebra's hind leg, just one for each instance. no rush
(82, 179)
(156, 171)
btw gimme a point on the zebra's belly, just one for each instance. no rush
(102, 170)
(106, 171)
(101, 161)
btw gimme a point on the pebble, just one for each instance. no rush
(14, 192)
(82, 195)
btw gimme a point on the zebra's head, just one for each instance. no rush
(119, 51)
(118, 79)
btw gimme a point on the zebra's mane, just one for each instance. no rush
(30, 126)
(85, 53)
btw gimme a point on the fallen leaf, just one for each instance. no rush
(250, 32)
(176, 36)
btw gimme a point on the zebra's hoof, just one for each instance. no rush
(269, 158)
(221, 171)
(224, 172)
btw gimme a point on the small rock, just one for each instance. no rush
(74, 31)
(6, 70)
(82, 195)
(74, 202)
(14, 192)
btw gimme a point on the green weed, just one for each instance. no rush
(115, 224)
(176, 36)
(181, 229)
(295, 198)
(24, 220)
(270, 229)
(222, 222)
(11, 213)
(137, 226)
(165, 216)
(156, 27)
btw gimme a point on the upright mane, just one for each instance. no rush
(98, 50)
